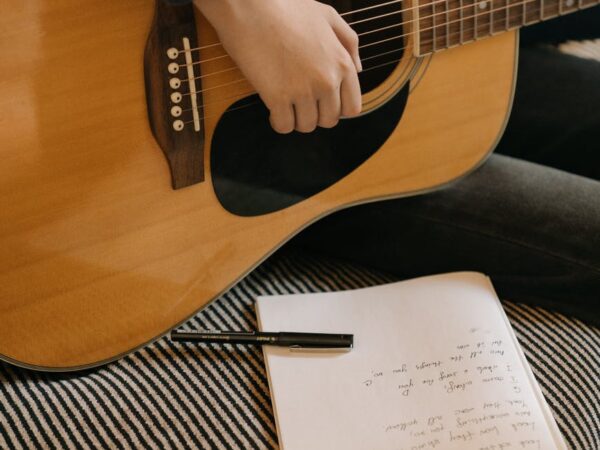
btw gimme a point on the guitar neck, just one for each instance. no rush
(441, 24)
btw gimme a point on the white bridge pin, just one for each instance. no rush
(176, 111)
(174, 83)
(172, 53)
(173, 68)
(176, 97)
(178, 125)
(483, 5)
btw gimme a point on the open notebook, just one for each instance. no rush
(435, 365)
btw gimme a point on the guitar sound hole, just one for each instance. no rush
(381, 37)
(256, 171)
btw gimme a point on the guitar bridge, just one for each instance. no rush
(174, 91)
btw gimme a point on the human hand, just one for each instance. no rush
(300, 56)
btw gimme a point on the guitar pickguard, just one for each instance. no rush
(257, 171)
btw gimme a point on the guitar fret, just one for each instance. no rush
(440, 23)
(491, 17)
(426, 33)
(441, 19)
(552, 8)
(469, 21)
(568, 6)
(510, 17)
(434, 27)
(462, 31)
(483, 18)
(499, 16)
(455, 24)
(515, 16)
(475, 19)
(532, 11)
(447, 23)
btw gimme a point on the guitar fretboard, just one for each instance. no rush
(447, 23)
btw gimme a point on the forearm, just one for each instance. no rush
(215, 9)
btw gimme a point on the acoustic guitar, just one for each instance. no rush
(140, 179)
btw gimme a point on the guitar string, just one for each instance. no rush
(474, 6)
(368, 19)
(203, 106)
(362, 59)
(345, 14)
(365, 70)
(507, 6)
(237, 68)
(351, 23)
(432, 4)
(254, 92)
(367, 8)
(380, 5)
(459, 32)
(446, 37)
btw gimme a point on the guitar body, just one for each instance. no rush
(99, 254)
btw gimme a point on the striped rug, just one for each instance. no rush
(184, 396)
(584, 49)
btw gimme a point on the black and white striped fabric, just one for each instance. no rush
(185, 396)
(583, 49)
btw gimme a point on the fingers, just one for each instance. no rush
(307, 115)
(330, 89)
(348, 38)
(282, 118)
(304, 115)
(351, 103)
(350, 96)
(329, 109)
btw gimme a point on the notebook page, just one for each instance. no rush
(434, 365)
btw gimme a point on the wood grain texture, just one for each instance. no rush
(98, 255)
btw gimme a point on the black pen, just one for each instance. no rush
(282, 339)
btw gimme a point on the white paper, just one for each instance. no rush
(435, 364)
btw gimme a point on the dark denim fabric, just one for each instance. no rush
(556, 115)
(534, 229)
